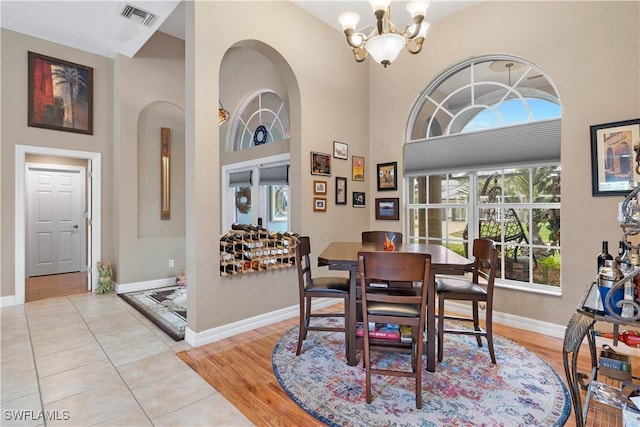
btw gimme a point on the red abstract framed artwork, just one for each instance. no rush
(60, 95)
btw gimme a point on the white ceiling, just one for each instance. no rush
(96, 25)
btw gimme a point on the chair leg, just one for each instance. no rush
(347, 321)
(476, 323)
(440, 340)
(418, 369)
(302, 333)
(489, 330)
(367, 368)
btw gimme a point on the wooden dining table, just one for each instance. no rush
(344, 256)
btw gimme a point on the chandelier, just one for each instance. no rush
(385, 42)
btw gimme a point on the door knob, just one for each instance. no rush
(75, 226)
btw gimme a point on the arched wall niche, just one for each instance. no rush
(247, 66)
(157, 115)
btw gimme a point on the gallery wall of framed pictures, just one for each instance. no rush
(323, 164)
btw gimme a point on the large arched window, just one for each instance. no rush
(482, 159)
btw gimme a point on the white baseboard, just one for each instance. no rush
(537, 326)
(8, 301)
(122, 288)
(216, 334)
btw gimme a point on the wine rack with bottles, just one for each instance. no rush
(250, 249)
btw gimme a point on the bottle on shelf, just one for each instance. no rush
(623, 259)
(604, 255)
(630, 338)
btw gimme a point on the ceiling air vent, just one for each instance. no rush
(137, 15)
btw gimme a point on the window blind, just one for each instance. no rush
(532, 142)
(274, 175)
(240, 179)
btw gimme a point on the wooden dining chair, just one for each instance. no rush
(379, 236)
(317, 287)
(394, 308)
(471, 289)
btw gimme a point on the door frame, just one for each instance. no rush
(94, 209)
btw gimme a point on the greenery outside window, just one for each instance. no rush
(518, 208)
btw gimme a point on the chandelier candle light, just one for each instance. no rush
(385, 42)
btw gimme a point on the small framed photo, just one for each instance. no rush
(388, 209)
(319, 187)
(319, 204)
(341, 190)
(387, 176)
(320, 164)
(340, 150)
(357, 168)
(60, 95)
(613, 157)
(358, 199)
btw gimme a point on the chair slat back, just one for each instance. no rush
(394, 266)
(303, 261)
(485, 257)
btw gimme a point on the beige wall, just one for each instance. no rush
(16, 132)
(149, 93)
(591, 51)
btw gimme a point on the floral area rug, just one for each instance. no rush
(466, 389)
(166, 307)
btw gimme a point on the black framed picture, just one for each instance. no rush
(341, 190)
(358, 199)
(613, 157)
(387, 176)
(388, 209)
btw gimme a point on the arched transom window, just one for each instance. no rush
(484, 93)
(263, 118)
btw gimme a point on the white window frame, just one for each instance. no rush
(228, 193)
(473, 208)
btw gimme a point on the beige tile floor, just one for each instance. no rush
(88, 359)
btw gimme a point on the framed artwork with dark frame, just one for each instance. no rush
(319, 187)
(319, 204)
(358, 199)
(340, 150)
(388, 209)
(387, 176)
(613, 157)
(357, 168)
(341, 190)
(320, 164)
(60, 95)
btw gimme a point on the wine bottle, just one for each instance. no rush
(630, 338)
(623, 260)
(604, 255)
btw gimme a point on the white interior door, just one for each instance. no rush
(55, 218)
